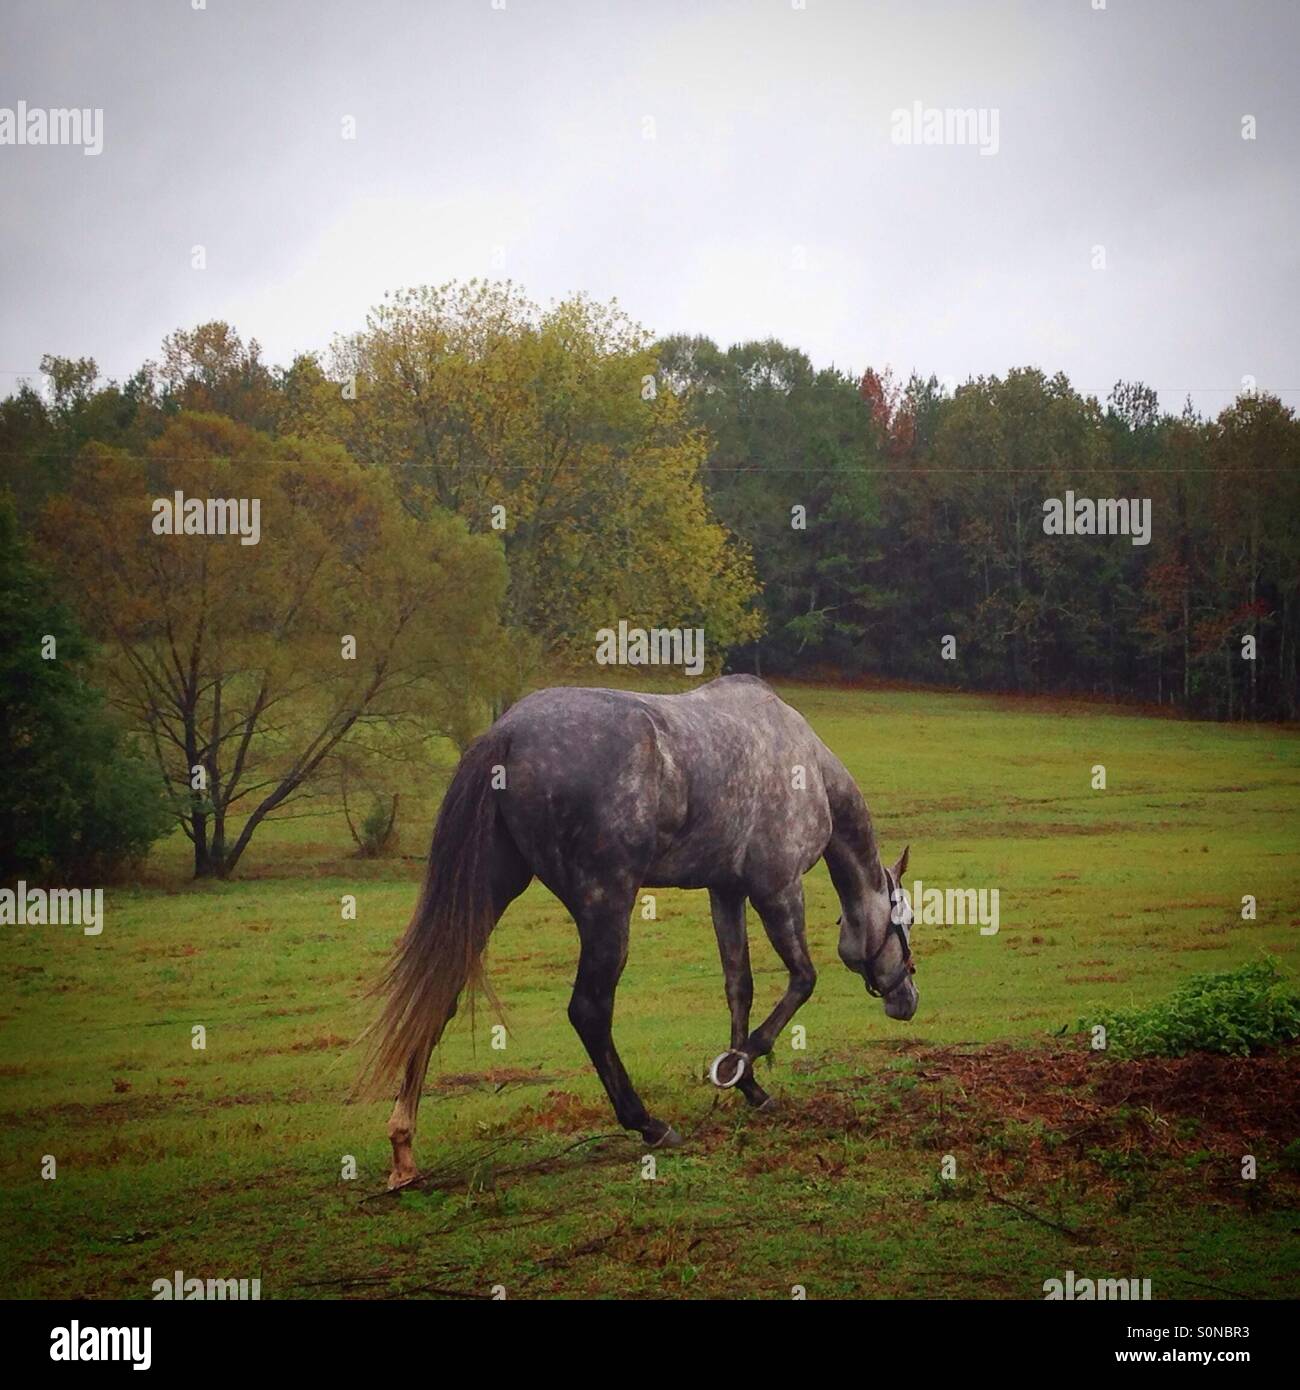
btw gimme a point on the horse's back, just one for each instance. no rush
(720, 787)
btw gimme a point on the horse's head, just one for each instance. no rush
(875, 942)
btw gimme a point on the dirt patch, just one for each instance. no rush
(1040, 1114)
(1231, 1099)
(324, 1043)
(562, 1112)
(1237, 1099)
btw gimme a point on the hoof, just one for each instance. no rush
(728, 1068)
(669, 1139)
(401, 1178)
(771, 1106)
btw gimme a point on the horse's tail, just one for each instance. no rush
(442, 949)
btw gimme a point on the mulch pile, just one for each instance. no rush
(1236, 1102)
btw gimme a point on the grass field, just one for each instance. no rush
(228, 1162)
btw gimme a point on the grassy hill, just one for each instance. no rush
(227, 1162)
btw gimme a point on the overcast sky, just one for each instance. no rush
(772, 200)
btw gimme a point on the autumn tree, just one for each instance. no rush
(211, 368)
(553, 428)
(249, 667)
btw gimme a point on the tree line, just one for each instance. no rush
(470, 487)
(924, 516)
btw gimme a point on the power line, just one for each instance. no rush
(869, 469)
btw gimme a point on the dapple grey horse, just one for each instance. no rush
(600, 793)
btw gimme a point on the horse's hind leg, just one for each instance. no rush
(510, 875)
(604, 934)
(401, 1123)
(782, 915)
(733, 946)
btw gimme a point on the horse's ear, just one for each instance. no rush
(900, 868)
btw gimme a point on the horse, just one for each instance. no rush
(600, 793)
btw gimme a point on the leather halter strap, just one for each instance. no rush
(895, 928)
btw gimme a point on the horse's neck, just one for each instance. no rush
(852, 855)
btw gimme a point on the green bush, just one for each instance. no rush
(77, 802)
(379, 829)
(1235, 1012)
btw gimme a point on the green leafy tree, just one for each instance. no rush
(788, 471)
(76, 800)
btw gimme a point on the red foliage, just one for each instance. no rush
(891, 411)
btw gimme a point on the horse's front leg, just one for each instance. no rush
(604, 934)
(782, 915)
(733, 946)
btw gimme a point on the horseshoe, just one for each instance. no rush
(740, 1070)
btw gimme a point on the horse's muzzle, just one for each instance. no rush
(901, 1003)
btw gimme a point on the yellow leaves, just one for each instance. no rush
(185, 617)
(473, 399)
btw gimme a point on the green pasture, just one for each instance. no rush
(228, 1161)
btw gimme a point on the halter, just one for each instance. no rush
(897, 905)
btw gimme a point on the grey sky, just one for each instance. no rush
(771, 201)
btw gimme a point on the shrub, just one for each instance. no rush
(378, 829)
(1235, 1012)
(77, 801)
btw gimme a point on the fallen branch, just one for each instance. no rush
(453, 1173)
(1042, 1220)
(588, 1247)
(425, 1289)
